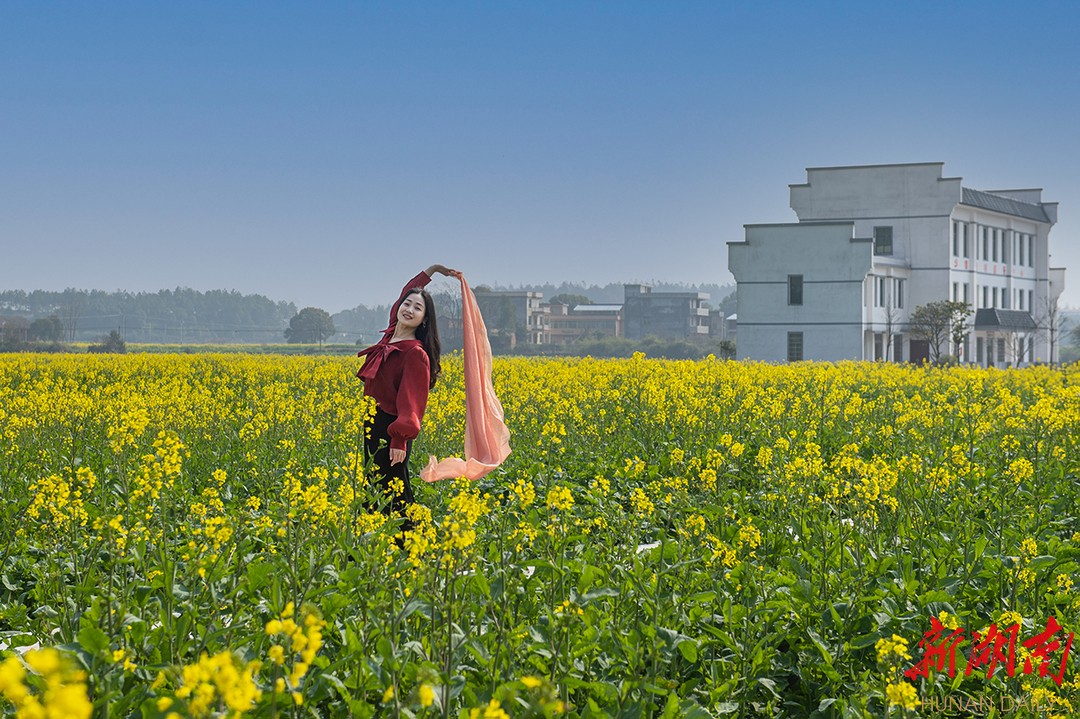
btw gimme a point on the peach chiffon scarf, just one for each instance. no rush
(487, 440)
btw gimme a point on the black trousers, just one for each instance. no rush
(377, 451)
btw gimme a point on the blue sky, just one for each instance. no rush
(323, 152)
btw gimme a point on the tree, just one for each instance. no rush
(13, 333)
(47, 329)
(310, 325)
(938, 323)
(72, 302)
(571, 300)
(500, 317)
(113, 344)
(1049, 322)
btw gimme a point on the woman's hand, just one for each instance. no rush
(442, 270)
(397, 456)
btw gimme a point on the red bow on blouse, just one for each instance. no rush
(375, 355)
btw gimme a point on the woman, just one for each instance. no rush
(398, 372)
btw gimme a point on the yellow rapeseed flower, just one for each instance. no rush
(560, 498)
(902, 695)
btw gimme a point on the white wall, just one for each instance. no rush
(837, 193)
(833, 265)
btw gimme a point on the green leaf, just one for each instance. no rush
(590, 575)
(864, 641)
(1041, 561)
(692, 710)
(770, 685)
(93, 640)
(825, 653)
(689, 650)
(481, 583)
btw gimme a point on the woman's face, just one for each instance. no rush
(411, 311)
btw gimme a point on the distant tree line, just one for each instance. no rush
(186, 316)
(183, 315)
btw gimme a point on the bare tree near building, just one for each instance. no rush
(1018, 346)
(892, 321)
(1048, 322)
(960, 327)
(940, 323)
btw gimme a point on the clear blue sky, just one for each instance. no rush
(323, 152)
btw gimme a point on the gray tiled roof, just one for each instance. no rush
(1004, 205)
(989, 319)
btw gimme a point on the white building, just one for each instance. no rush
(874, 242)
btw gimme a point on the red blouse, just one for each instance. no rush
(397, 376)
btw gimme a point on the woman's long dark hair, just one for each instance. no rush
(428, 333)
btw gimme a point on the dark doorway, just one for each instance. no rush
(919, 350)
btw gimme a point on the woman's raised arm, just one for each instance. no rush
(442, 270)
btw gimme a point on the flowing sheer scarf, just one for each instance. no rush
(487, 440)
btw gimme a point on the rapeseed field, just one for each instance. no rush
(196, 536)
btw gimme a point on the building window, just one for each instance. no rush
(964, 239)
(899, 290)
(967, 300)
(1031, 300)
(1001, 349)
(956, 238)
(879, 347)
(985, 296)
(794, 346)
(955, 291)
(994, 249)
(980, 345)
(794, 289)
(898, 348)
(994, 297)
(883, 241)
(879, 292)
